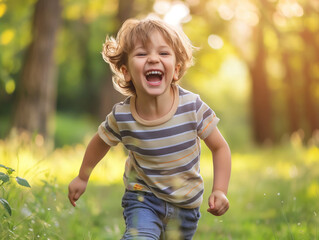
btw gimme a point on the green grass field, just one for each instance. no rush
(273, 194)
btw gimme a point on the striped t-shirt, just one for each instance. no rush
(163, 154)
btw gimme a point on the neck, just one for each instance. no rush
(155, 107)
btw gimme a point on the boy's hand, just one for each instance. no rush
(218, 203)
(76, 189)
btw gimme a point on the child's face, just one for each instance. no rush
(152, 68)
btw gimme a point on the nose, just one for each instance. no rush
(153, 58)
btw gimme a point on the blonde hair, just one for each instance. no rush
(116, 50)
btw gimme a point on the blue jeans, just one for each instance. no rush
(150, 218)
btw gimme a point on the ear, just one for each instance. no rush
(126, 73)
(176, 72)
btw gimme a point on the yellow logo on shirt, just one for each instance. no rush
(137, 187)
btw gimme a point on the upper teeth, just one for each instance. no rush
(153, 72)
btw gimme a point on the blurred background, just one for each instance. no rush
(257, 67)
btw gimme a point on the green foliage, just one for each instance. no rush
(82, 71)
(15, 36)
(6, 205)
(274, 192)
(273, 195)
(5, 181)
(35, 214)
(71, 128)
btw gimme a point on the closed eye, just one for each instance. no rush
(140, 54)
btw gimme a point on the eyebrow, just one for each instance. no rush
(145, 47)
(138, 48)
(165, 46)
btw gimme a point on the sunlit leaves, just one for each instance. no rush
(88, 10)
(73, 11)
(7, 36)
(215, 41)
(3, 9)
(22, 182)
(4, 177)
(312, 23)
(6, 205)
(161, 7)
(9, 170)
(96, 9)
(14, 37)
(271, 40)
(290, 8)
(226, 12)
(247, 13)
(5, 180)
(10, 86)
(313, 190)
(177, 13)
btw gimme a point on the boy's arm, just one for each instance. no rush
(95, 151)
(218, 202)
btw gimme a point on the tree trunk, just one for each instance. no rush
(292, 107)
(90, 100)
(261, 106)
(36, 94)
(311, 110)
(109, 96)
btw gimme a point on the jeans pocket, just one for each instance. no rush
(128, 197)
(190, 215)
(131, 197)
(197, 213)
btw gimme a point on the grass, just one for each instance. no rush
(72, 127)
(273, 194)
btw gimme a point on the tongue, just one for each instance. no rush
(153, 78)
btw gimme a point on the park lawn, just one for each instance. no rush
(273, 194)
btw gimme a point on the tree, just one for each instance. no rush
(291, 103)
(311, 110)
(261, 106)
(108, 95)
(283, 32)
(36, 93)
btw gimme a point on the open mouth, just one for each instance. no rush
(154, 76)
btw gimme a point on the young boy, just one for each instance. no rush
(161, 125)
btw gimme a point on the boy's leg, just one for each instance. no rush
(141, 219)
(183, 225)
(189, 220)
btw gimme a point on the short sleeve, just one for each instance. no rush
(206, 119)
(108, 131)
